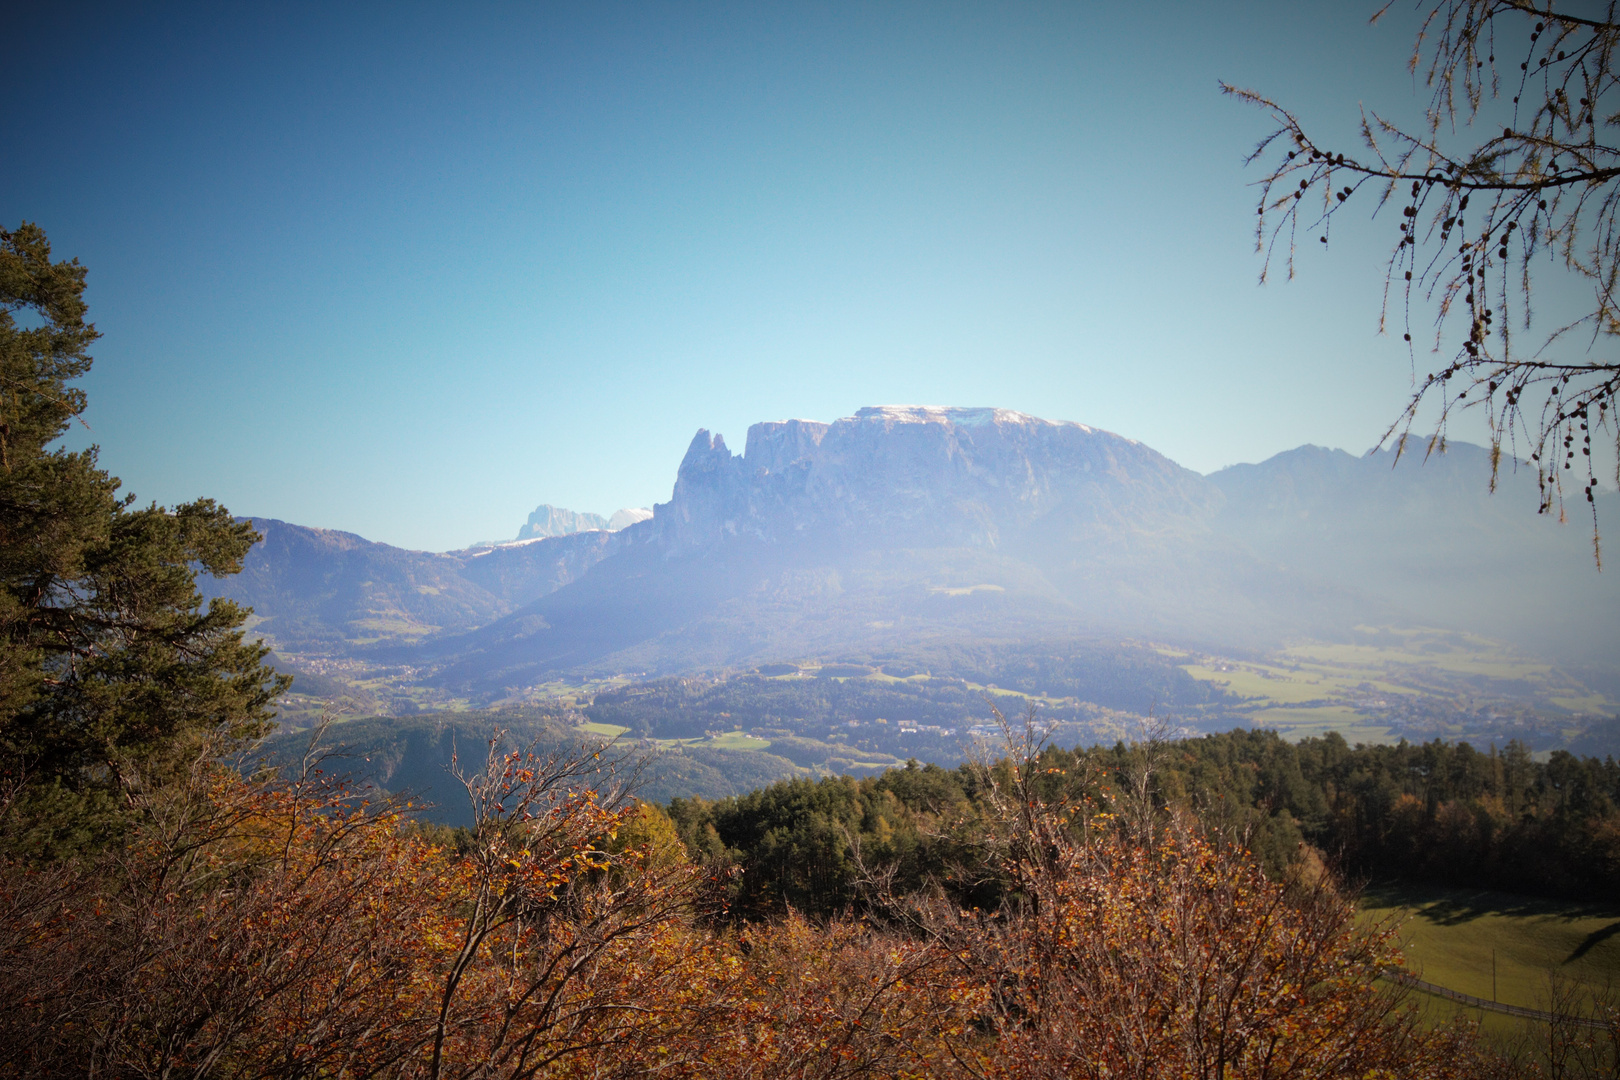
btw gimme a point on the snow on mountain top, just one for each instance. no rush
(955, 415)
(628, 516)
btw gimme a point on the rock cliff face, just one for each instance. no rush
(917, 476)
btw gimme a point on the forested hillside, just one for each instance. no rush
(1437, 812)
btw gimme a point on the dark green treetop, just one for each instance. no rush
(111, 669)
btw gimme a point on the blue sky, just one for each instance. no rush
(411, 270)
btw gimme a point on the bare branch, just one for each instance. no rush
(1482, 225)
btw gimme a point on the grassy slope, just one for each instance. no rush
(1449, 936)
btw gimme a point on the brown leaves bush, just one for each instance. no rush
(281, 929)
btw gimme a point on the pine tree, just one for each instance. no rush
(111, 669)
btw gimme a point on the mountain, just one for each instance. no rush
(319, 590)
(1426, 537)
(919, 527)
(898, 521)
(911, 525)
(923, 477)
(555, 521)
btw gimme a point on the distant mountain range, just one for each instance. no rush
(913, 525)
(555, 521)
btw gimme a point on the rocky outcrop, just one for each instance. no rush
(779, 445)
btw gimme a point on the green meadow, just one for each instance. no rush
(728, 740)
(1498, 945)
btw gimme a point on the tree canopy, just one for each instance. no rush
(110, 665)
(1498, 201)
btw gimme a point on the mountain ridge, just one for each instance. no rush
(933, 523)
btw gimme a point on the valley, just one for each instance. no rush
(865, 712)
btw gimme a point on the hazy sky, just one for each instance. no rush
(411, 270)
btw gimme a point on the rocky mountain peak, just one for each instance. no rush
(707, 454)
(923, 521)
(920, 474)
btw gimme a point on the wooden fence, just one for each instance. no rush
(1406, 978)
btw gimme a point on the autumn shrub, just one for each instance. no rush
(1140, 944)
(271, 929)
(280, 928)
(252, 928)
(1180, 959)
(846, 999)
